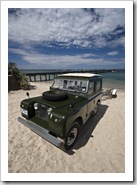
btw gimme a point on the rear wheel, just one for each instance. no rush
(96, 108)
(72, 136)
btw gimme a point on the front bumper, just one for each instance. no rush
(42, 132)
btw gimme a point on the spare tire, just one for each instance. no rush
(55, 95)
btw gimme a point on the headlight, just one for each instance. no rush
(57, 120)
(36, 106)
(49, 110)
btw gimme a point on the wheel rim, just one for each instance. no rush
(72, 136)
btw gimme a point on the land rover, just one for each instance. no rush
(57, 115)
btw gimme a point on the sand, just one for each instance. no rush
(100, 148)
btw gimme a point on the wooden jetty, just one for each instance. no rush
(47, 76)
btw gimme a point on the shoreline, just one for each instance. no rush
(105, 85)
(118, 86)
(110, 79)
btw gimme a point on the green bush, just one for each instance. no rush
(21, 79)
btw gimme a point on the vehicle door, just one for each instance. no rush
(91, 99)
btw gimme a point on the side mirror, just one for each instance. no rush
(27, 94)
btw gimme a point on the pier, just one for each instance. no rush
(48, 76)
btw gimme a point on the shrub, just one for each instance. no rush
(21, 79)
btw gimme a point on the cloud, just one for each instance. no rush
(66, 27)
(65, 61)
(113, 53)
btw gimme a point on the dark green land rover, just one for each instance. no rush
(58, 114)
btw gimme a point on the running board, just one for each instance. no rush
(42, 132)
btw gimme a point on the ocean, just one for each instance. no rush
(114, 79)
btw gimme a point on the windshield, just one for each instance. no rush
(71, 85)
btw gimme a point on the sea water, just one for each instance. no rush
(114, 79)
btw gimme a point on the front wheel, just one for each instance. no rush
(72, 136)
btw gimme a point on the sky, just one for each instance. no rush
(87, 38)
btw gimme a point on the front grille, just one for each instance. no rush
(41, 111)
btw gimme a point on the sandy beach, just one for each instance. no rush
(100, 148)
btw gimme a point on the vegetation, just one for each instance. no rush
(21, 79)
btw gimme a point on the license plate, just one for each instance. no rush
(24, 111)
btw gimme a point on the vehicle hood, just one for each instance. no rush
(72, 100)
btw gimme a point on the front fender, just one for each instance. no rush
(81, 112)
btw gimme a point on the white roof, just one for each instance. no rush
(80, 74)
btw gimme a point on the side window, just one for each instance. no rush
(91, 88)
(98, 85)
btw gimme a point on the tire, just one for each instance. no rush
(55, 95)
(95, 111)
(72, 136)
